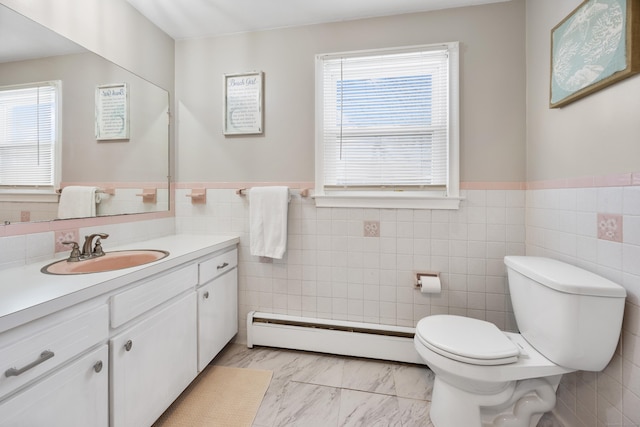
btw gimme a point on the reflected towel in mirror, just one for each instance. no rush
(77, 202)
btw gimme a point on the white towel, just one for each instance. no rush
(77, 202)
(268, 208)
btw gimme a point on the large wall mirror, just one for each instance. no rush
(129, 171)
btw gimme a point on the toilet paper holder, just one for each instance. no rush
(418, 284)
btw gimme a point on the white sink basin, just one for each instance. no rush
(110, 261)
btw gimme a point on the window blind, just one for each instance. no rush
(28, 134)
(385, 119)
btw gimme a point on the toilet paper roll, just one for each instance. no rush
(430, 284)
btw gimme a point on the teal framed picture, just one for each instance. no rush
(595, 46)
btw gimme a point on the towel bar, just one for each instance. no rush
(243, 192)
(109, 191)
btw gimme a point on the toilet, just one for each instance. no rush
(569, 319)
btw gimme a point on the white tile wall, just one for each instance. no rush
(562, 224)
(332, 270)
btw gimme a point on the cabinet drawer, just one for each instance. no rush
(76, 395)
(48, 348)
(132, 303)
(219, 264)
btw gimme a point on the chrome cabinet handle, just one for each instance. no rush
(223, 265)
(98, 366)
(14, 372)
(128, 345)
(205, 295)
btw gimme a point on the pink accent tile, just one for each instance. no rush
(610, 227)
(25, 216)
(372, 229)
(70, 235)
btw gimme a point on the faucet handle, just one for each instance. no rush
(97, 249)
(75, 251)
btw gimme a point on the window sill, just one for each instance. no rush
(29, 196)
(400, 200)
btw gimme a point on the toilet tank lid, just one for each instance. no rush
(564, 277)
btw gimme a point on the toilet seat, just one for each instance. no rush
(467, 340)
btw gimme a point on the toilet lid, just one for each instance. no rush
(467, 340)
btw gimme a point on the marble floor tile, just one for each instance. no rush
(283, 363)
(369, 375)
(413, 381)
(235, 355)
(414, 413)
(271, 403)
(309, 405)
(361, 409)
(324, 370)
(320, 390)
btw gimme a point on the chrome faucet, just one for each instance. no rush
(88, 241)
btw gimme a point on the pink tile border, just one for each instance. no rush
(128, 185)
(302, 185)
(611, 180)
(17, 229)
(483, 185)
(238, 185)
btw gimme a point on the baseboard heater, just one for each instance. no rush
(332, 336)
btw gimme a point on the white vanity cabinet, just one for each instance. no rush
(154, 358)
(114, 349)
(76, 395)
(55, 371)
(217, 305)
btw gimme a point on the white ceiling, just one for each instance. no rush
(183, 19)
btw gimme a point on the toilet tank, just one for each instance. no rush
(571, 316)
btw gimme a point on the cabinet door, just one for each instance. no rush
(75, 395)
(152, 363)
(217, 316)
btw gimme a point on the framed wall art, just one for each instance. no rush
(243, 103)
(112, 112)
(595, 46)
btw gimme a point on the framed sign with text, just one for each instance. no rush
(112, 112)
(243, 103)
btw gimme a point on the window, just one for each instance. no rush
(29, 136)
(387, 124)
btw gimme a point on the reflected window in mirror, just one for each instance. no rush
(29, 136)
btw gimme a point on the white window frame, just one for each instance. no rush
(42, 193)
(449, 198)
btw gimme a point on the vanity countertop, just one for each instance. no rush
(27, 294)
